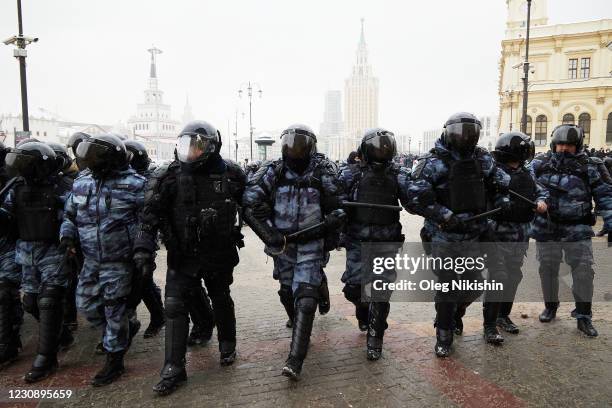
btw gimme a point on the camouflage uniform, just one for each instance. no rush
(517, 235)
(101, 214)
(295, 207)
(573, 181)
(430, 178)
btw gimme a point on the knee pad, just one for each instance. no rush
(285, 293)
(175, 307)
(52, 291)
(352, 293)
(30, 303)
(306, 290)
(307, 304)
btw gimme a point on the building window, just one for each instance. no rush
(573, 68)
(540, 130)
(584, 121)
(585, 67)
(528, 131)
(609, 129)
(45, 134)
(568, 119)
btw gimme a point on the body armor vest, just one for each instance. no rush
(466, 190)
(562, 210)
(376, 187)
(36, 213)
(520, 211)
(198, 192)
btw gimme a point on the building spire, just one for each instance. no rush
(362, 40)
(154, 51)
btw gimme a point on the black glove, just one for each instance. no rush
(143, 263)
(262, 211)
(207, 220)
(454, 224)
(335, 219)
(332, 202)
(67, 245)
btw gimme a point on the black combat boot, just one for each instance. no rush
(458, 317)
(352, 293)
(50, 305)
(173, 373)
(585, 325)
(66, 338)
(227, 352)
(324, 303)
(112, 370)
(11, 315)
(151, 297)
(376, 329)
(549, 312)
(490, 310)
(286, 297)
(507, 325)
(444, 342)
(134, 326)
(202, 317)
(300, 339)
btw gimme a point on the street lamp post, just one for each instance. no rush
(510, 94)
(20, 53)
(526, 72)
(249, 88)
(409, 141)
(419, 147)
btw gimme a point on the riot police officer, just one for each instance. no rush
(283, 197)
(11, 310)
(73, 144)
(147, 290)
(455, 181)
(574, 181)
(513, 151)
(36, 206)
(194, 203)
(66, 174)
(101, 216)
(376, 180)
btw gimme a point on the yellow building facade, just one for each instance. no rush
(570, 79)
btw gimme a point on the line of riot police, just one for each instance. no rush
(104, 227)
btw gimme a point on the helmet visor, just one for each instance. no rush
(380, 148)
(296, 144)
(93, 156)
(463, 136)
(21, 164)
(568, 135)
(193, 147)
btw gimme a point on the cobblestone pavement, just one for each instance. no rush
(545, 365)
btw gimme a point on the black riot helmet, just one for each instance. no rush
(461, 132)
(140, 158)
(35, 161)
(27, 140)
(378, 146)
(74, 141)
(567, 134)
(514, 146)
(197, 142)
(298, 144)
(102, 154)
(63, 159)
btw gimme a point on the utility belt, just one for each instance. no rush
(589, 220)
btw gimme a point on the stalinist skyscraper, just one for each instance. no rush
(361, 98)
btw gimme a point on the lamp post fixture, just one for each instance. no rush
(526, 72)
(249, 89)
(509, 95)
(20, 42)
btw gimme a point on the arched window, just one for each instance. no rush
(568, 119)
(609, 129)
(529, 129)
(540, 130)
(584, 121)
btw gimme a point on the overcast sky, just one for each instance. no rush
(432, 57)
